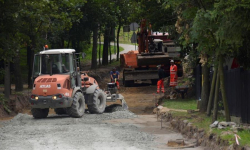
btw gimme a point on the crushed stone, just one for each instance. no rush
(90, 132)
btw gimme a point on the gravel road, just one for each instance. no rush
(62, 132)
(109, 131)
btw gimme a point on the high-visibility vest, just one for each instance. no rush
(173, 74)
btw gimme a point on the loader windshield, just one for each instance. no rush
(54, 63)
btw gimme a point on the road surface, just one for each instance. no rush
(125, 130)
(109, 131)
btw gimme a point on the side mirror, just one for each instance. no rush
(47, 57)
(83, 55)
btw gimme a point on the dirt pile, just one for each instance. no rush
(15, 105)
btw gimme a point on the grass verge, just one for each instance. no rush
(203, 121)
(89, 52)
(184, 104)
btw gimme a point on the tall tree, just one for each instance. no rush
(122, 12)
(94, 49)
(8, 41)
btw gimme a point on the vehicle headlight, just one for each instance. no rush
(54, 97)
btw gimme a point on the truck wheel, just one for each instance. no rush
(40, 113)
(99, 102)
(129, 83)
(154, 81)
(60, 111)
(77, 108)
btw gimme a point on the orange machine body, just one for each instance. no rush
(154, 49)
(46, 85)
(90, 81)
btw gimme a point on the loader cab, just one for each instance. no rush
(56, 62)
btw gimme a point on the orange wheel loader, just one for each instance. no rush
(58, 83)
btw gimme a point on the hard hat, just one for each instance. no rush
(172, 61)
(46, 46)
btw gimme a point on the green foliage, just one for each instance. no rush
(154, 12)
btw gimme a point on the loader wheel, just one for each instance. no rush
(40, 113)
(60, 111)
(77, 108)
(99, 102)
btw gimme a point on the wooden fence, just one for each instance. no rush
(237, 82)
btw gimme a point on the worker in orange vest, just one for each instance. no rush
(173, 74)
(160, 83)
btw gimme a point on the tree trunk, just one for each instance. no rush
(211, 96)
(215, 112)
(62, 42)
(117, 42)
(110, 54)
(78, 46)
(100, 46)
(30, 58)
(7, 88)
(105, 47)
(205, 88)
(222, 87)
(94, 50)
(73, 44)
(17, 73)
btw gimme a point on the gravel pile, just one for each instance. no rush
(63, 132)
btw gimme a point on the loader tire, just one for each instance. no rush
(99, 102)
(39, 113)
(77, 108)
(60, 111)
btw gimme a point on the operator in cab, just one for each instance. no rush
(114, 75)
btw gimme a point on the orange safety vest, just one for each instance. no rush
(173, 74)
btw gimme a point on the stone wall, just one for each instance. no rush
(209, 140)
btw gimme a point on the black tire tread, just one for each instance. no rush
(73, 110)
(93, 108)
